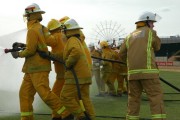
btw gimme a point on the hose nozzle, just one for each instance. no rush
(7, 50)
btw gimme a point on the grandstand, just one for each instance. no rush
(169, 54)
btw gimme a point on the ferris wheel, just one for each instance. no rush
(109, 31)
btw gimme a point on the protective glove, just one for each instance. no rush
(15, 54)
(17, 44)
(44, 54)
(69, 68)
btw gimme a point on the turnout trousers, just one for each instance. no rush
(100, 83)
(36, 83)
(70, 101)
(154, 93)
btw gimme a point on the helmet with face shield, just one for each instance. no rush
(33, 9)
(148, 16)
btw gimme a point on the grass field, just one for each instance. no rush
(107, 108)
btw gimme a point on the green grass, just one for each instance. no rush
(107, 107)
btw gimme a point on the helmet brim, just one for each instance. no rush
(145, 21)
(74, 28)
(42, 12)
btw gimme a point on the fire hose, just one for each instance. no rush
(22, 48)
(164, 81)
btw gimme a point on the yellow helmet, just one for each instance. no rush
(53, 24)
(33, 8)
(64, 19)
(103, 44)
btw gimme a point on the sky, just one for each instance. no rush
(90, 14)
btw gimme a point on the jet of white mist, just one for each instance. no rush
(2, 51)
(10, 72)
(11, 76)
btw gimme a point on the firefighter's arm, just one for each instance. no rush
(31, 44)
(123, 51)
(156, 41)
(50, 55)
(107, 56)
(82, 36)
(75, 52)
(49, 39)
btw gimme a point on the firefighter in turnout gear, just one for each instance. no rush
(74, 57)
(96, 69)
(122, 75)
(119, 73)
(122, 79)
(36, 69)
(57, 46)
(138, 50)
(107, 67)
(82, 39)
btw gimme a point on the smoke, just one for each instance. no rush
(11, 76)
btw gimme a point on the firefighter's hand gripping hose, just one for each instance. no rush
(44, 54)
(15, 48)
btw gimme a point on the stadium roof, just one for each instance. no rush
(171, 39)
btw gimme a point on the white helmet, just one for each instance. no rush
(71, 24)
(110, 42)
(33, 8)
(91, 44)
(119, 42)
(148, 16)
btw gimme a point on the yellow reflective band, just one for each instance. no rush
(129, 117)
(82, 105)
(46, 34)
(127, 46)
(39, 68)
(143, 71)
(149, 45)
(122, 73)
(157, 116)
(42, 46)
(26, 113)
(61, 110)
(127, 39)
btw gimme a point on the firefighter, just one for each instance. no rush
(74, 57)
(54, 27)
(122, 74)
(107, 67)
(57, 46)
(82, 39)
(138, 50)
(117, 72)
(122, 79)
(36, 69)
(96, 69)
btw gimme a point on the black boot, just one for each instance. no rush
(69, 117)
(83, 118)
(57, 119)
